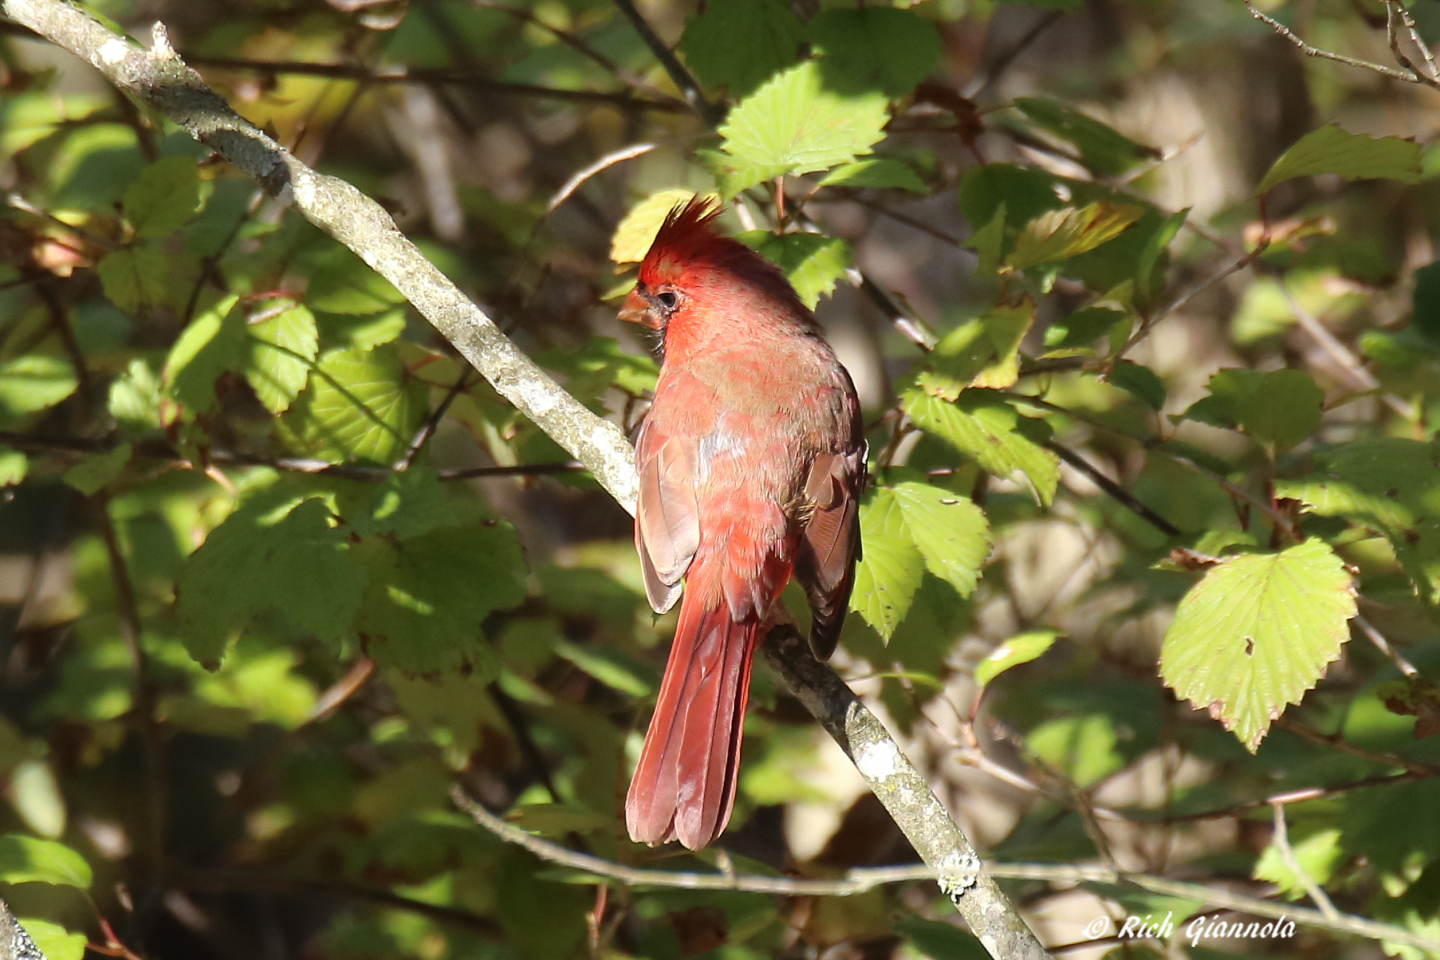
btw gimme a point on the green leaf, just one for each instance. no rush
(345, 285)
(1351, 155)
(874, 47)
(281, 350)
(30, 860)
(275, 555)
(1140, 381)
(1317, 856)
(359, 405)
(213, 343)
(987, 242)
(163, 197)
(983, 352)
(360, 332)
(605, 665)
(949, 530)
(13, 465)
(984, 427)
(404, 504)
(940, 941)
(793, 124)
(875, 173)
(1279, 408)
(53, 941)
(1021, 648)
(812, 262)
(1425, 316)
(134, 399)
(1085, 748)
(1083, 327)
(1068, 231)
(1103, 151)
(427, 596)
(1256, 633)
(33, 382)
(740, 43)
(135, 277)
(891, 566)
(907, 529)
(93, 474)
(636, 230)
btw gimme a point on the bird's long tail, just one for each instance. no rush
(684, 785)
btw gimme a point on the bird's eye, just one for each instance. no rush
(667, 299)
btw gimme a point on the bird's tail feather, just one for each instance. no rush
(684, 784)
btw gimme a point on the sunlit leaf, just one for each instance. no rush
(1021, 648)
(812, 262)
(875, 173)
(891, 567)
(1060, 234)
(636, 232)
(1316, 855)
(359, 405)
(984, 427)
(31, 860)
(34, 381)
(13, 466)
(96, 472)
(281, 350)
(212, 344)
(53, 941)
(1257, 632)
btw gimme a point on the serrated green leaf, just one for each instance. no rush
(53, 941)
(1083, 327)
(983, 352)
(31, 860)
(282, 348)
(1256, 633)
(890, 567)
(33, 382)
(345, 285)
(360, 332)
(949, 530)
(404, 504)
(13, 466)
(812, 262)
(94, 473)
(134, 399)
(793, 124)
(359, 405)
(879, 172)
(740, 43)
(1021, 648)
(134, 277)
(272, 554)
(213, 343)
(987, 242)
(163, 197)
(874, 48)
(1069, 231)
(1352, 155)
(636, 230)
(984, 427)
(427, 596)
(1279, 408)
(1316, 855)
(1103, 151)
(1141, 381)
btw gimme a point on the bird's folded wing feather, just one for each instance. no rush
(667, 523)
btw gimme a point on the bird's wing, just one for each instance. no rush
(667, 522)
(830, 544)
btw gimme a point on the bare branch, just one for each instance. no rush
(1281, 840)
(1309, 51)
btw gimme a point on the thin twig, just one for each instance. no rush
(1344, 746)
(1378, 639)
(604, 163)
(1310, 51)
(441, 75)
(1281, 839)
(1185, 296)
(1393, 36)
(862, 879)
(682, 78)
(1002, 63)
(1116, 492)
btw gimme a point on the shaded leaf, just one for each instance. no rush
(1104, 151)
(740, 43)
(213, 343)
(359, 405)
(874, 47)
(134, 277)
(875, 173)
(94, 473)
(281, 350)
(1353, 155)
(812, 262)
(163, 197)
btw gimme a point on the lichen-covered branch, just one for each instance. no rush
(162, 81)
(15, 943)
(906, 797)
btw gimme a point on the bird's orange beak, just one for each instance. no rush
(636, 309)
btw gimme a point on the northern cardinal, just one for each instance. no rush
(751, 464)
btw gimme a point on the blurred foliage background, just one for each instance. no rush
(276, 569)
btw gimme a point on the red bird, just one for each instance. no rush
(751, 464)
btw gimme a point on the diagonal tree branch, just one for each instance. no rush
(160, 79)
